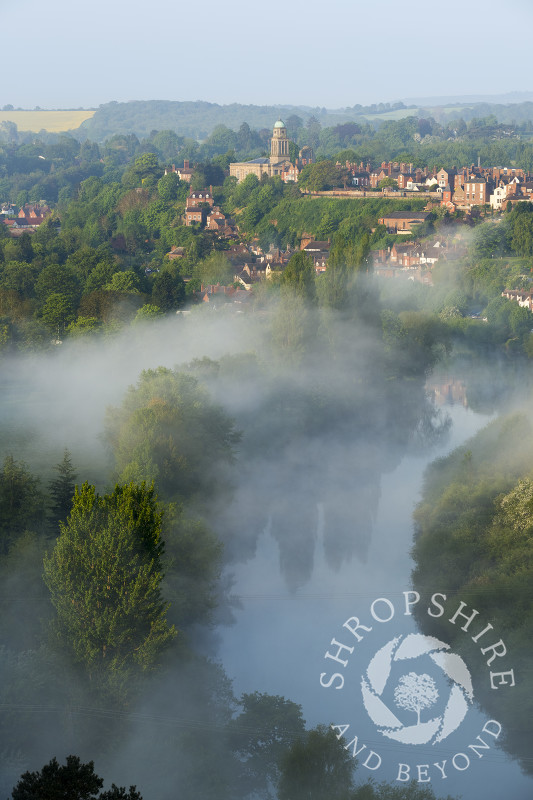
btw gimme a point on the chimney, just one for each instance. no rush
(185, 165)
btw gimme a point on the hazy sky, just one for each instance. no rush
(59, 54)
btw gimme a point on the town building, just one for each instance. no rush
(278, 163)
(198, 206)
(402, 221)
(184, 173)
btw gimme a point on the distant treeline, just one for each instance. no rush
(199, 119)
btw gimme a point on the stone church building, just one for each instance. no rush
(277, 164)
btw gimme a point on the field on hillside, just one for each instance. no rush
(400, 113)
(51, 121)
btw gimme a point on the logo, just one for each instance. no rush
(416, 691)
(412, 688)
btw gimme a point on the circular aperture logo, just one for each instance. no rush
(415, 691)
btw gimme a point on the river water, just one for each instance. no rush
(311, 565)
(282, 633)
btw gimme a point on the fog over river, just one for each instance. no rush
(282, 634)
(316, 529)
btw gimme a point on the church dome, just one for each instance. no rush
(279, 124)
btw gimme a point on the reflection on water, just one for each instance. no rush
(447, 391)
(324, 557)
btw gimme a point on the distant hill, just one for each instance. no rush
(197, 120)
(194, 119)
(468, 99)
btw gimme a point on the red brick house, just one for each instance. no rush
(197, 207)
(476, 191)
(184, 173)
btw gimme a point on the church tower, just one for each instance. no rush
(279, 144)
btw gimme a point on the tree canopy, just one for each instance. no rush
(104, 576)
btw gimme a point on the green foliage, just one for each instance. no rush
(474, 530)
(317, 767)
(61, 491)
(260, 736)
(83, 326)
(193, 559)
(521, 226)
(387, 791)
(57, 312)
(21, 503)
(57, 279)
(74, 780)
(168, 290)
(125, 282)
(147, 313)
(298, 278)
(414, 341)
(168, 186)
(168, 431)
(145, 170)
(104, 576)
(214, 269)
(320, 176)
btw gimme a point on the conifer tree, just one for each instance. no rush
(21, 503)
(62, 490)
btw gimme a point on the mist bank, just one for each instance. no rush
(325, 407)
(313, 423)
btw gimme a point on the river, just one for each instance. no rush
(281, 634)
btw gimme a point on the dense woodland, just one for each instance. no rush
(125, 573)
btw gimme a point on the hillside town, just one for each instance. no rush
(463, 194)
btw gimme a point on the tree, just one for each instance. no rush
(316, 767)
(320, 176)
(73, 781)
(215, 269)
(104, 578)
(168, 431)
(61, 490)
(83, 326)
(145, 170)
(21, 503)
(147, 313)
(168, 291)
(57, 279)
(298, 277)
(167, 187)
(126, 282)
(387, 791)
(522, 229)
(120, 793)
(387, 182)
(58, 312)
(261, 734)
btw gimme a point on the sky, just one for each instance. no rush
(61, 54)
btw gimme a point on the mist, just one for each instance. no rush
(316, 523)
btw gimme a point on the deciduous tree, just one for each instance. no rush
(104, 577)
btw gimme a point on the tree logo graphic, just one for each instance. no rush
(416, 692)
